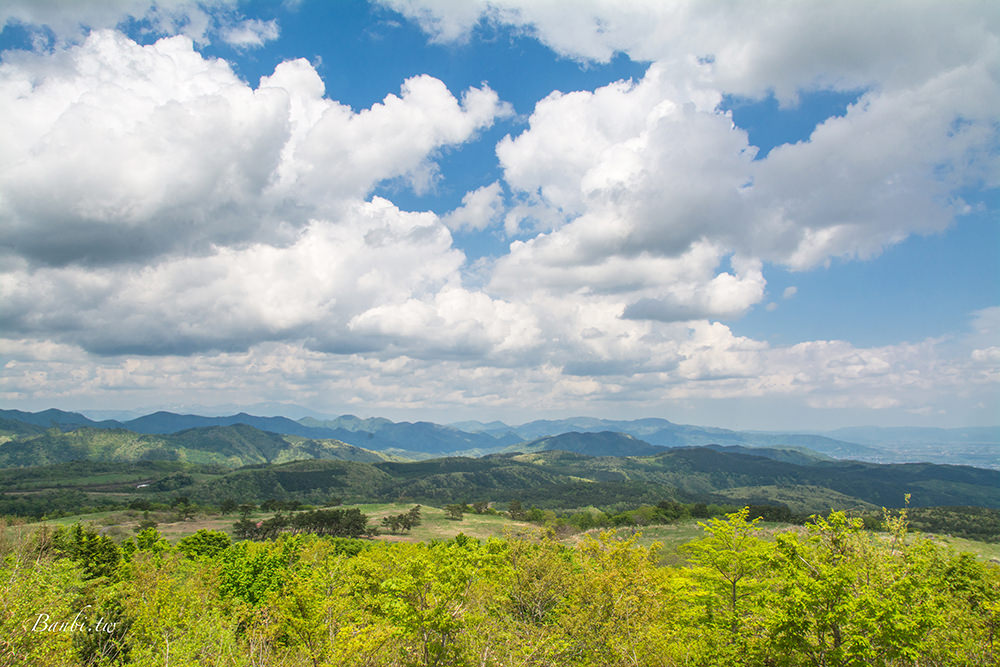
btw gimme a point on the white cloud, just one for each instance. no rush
(201, 237)
(71, 21)
(250, 33)
(707, 363)
(789, 292)
(143, 150)
(237, 297)
(480, 208)
(745, 49)
(663, 169)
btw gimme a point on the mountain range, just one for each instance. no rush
(377, 459)
(972, 446)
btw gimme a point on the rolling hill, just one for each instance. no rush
(557, 478)
(233, 446)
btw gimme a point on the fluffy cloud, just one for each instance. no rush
(114, 135)
(745, 49)
(235, 297)
(653, 168)
(480, 209)
(663, 168)
(168, 228)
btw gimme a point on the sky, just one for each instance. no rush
(769, 215)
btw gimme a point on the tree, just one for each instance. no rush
(846, 597)
(729, 561)
(391, 523)
(516, 511)
(204, 544)
(145, 523)
(414, 515)
(455, 512)
(228, 506)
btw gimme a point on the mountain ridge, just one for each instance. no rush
(422, 439)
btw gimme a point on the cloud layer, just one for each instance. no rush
(163, 222)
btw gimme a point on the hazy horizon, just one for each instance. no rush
(297, 412)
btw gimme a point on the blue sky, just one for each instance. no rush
(513, 210)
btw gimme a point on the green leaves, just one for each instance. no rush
(204, 544)
(829, 593)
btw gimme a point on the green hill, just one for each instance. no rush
(567, 470)
(555, 478)
(233, 446)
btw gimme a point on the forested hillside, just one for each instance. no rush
(236, 445)
(547, 479)
(564, 479)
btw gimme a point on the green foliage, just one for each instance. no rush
(404, 521)
(830, 593)
(204, 544)
(730, 561)
(250, 570)
(331, 522)
(515, 510)
(97, 555)
(977, 523)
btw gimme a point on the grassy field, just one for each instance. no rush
(984, 550)
(436, 526)
(434, 523)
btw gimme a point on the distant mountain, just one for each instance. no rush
(347, 423)
(969, 446)
(425, 437)
(53, 418)
(605, 443)
(663, 433)
(573, 469)
(13, 427)
(481, 427)
(168, 422)
(797, 456)
(973, 446)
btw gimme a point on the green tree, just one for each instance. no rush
(846, 597)
(204, 544)
(516, 511)
(228, 506)
(730, 562)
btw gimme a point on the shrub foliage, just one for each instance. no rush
(827, 593)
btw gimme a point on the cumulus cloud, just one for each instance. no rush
(709, 363)
(167, 227)
(659, 154)
(744, 49)
(145, 150)
(236, 297)
(480, 208)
